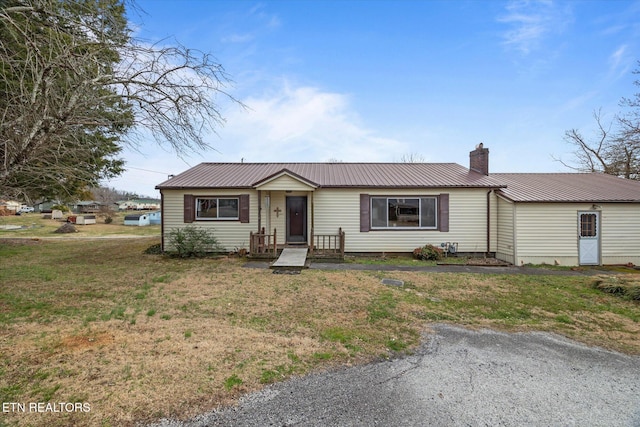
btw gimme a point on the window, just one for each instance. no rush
(397, 212)
(212, 208)
(588, 225)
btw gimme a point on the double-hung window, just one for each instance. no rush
(403, 212)
(217, 208)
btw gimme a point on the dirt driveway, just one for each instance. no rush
(457, 378)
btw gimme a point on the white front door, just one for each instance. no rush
(589, 238)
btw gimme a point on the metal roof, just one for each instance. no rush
(567, 187)
(335, 175)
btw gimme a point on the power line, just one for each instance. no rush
(147, 170)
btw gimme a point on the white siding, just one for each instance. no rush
(620, 226)
(230, 234)
(336, 208)
(547, 233)
(505, 235)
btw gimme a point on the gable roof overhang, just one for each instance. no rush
(271, 182)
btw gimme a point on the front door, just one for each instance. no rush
(296, 219)
(589, 238)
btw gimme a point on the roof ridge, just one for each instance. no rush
(328, 163)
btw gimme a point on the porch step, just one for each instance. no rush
(295, 258)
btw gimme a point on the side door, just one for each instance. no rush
(589, 238)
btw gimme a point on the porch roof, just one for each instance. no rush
(332, 175)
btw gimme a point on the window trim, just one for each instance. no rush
(419, 198)
(217, 198)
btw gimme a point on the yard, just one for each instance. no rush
(34, 225)
(134, 337)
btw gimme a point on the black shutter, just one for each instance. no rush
(189, 208)
(365, 216)
(244, 208)
(443, 212)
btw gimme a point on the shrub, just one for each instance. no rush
(623, 286)
(154, 249)
(427, 253)
(192, 241)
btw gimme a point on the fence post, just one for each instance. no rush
(275, 244)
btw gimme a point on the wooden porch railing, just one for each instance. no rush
(327, 245)
(262, 244)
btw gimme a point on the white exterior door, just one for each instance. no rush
(589, 238)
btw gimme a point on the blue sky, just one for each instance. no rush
(377, 80)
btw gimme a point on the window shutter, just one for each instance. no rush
(443, 212)
(189, 208)
(244, 208)
(365, 215)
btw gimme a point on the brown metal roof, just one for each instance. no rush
(567, 187)
(363, 175)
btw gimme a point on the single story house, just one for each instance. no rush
(87, 206)
(140, 220)
(397, 207)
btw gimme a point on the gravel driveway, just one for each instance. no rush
(456, 378)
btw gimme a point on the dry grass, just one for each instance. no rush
(35, 226)
(140, 337)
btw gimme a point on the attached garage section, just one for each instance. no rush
(568, 219)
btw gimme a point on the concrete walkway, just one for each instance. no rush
(291, 258)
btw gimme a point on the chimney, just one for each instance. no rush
(479, 160)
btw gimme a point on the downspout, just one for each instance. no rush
(162, 219)
(259, 210)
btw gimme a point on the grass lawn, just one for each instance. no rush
(33, 225)
(138, 337)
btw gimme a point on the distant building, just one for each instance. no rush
(138, 205)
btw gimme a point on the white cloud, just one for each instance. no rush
(619, 61)
(531, 22)
(302, 124)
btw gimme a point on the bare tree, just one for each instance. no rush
(590, 154)
(412, 158)
(75, 87)
(615, 147)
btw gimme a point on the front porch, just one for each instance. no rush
(321, 246)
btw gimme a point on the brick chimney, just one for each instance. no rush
(479, 160)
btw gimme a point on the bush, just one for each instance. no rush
(192, 241)
(427, 253)
(623, 286)
(154, 249)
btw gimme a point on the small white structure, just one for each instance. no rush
(155, 217)
(137, 219)
(83, 219)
